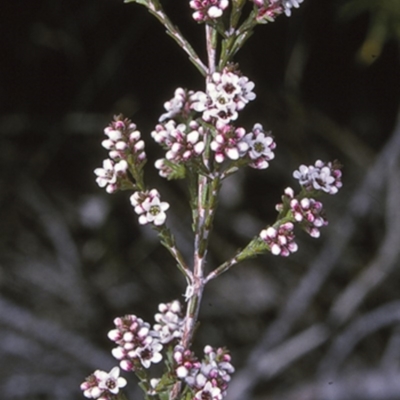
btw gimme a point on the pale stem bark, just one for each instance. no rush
(207, 190)
(202, 223)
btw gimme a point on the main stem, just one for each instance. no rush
(202, 225)
(203, 222)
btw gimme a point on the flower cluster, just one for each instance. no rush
(102, 385)
(280, 239)
(149, 207)
(306, 211)
(124, 140)
(268, 10)
(169, 322)
(208, 379)
(235, 143)
(310, 213)
(229, 142)
(138, 346)
(125, 149)
(227, 92)
(182, 142)
(321, 176)
(208, 9)
(303, 209)
(186, 363)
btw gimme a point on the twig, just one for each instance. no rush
(52, 335)
(383, 263)
(366, 324)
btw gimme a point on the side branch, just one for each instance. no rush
(176, 34)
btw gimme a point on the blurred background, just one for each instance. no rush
(323, 324)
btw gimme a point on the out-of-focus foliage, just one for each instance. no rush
(384, 24)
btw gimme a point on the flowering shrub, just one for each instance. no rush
(203, 145)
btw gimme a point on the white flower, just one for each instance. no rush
(113, 134)
(108, 175)
(288, 4)
(154, 211)
(261, 147)
(149, 206)
(110, 381)
(182, 372)
(150, 354)
(209, 392)
(227, 92)
(199, 101)
(177, 104)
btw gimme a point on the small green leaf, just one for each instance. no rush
(164, 395)
(143, 2)
(175, 171)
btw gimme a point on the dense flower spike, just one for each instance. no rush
(102, 385)
(208, 9)
(320, 176)
(126, 152)
(227, 92)
(149, 207)
(280, 240)
(138, 346)
(169, 322)
(178, 106)
(183, 142)
(124, 141)
(261, 146)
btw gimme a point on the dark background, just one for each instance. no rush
(323, 324)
